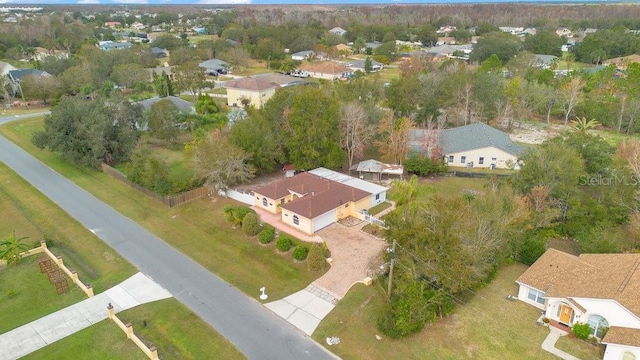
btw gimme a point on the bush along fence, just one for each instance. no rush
(57, 260)
(151, 352)
(169, 201)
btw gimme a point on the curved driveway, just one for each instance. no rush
(252, 328)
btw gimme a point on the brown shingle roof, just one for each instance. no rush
(319, 195)
(250, 84)
(326, 67)
(600, 276)
(622, 336)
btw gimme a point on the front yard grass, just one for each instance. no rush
(175, 331)
(488, 327)
(30, 214)
(198, 229)
(27, 295)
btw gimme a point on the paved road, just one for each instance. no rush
(252, 328)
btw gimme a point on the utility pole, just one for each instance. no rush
(393, 260)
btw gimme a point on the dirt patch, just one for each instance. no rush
(260, 180)
(534, 133)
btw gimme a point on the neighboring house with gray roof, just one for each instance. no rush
(359, 65)
(281, 79)
(182, 105)
(474, 145)
(545, 61)
(302, 55)
(16, 76)
(215, 66)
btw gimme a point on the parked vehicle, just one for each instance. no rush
(300, 73)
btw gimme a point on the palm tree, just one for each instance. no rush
(582, 124)
(12, 248)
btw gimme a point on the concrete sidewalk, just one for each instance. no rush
(549, 344)
(306, 308)
(136, 290)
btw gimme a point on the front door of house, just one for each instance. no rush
(565, 314)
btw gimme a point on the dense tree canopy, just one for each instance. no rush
(90, 132)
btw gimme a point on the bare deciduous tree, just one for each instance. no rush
(395, 138)
(221, 163)
(571, 96)
(355, 132)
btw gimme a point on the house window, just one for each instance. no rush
(296, 220)
(463, 159)
(377, 196)
(537, 296)
(450, 158)
(346, 205)
(481, 160)
(494, 159)
(598, 325)
(264, 202)
(628, 355)
(264, 94)
(282, 201)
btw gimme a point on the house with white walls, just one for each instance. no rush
(602, 290)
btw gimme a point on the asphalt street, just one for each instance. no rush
(252, 328)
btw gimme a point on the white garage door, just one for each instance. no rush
(324, 220)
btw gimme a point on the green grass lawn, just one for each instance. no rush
(379, 208)
(488, 327)
(455, 186)
(168, 325)
(27, 295)
(20, 111)
(579, 348)
(30, 214)
(198, 229)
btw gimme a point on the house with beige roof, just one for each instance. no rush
(327, 70)
(602, 290)
(257, 92)
(623, 62)
(313, 200)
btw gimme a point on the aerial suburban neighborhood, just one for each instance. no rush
(258, 181)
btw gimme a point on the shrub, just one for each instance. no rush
(266, 235)
(582, 331)
(228, 213)
(315, 258)
(251, 224)
(283, 243)
(239, 213)
(300, 252)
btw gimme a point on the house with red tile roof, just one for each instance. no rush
(313, 200)
(602, 290)
(255, 91)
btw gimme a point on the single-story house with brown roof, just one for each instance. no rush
(602, 290)
(327, 70)
(313, 200)
(255, 90)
